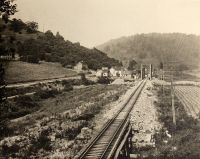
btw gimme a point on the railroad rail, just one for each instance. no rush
(109, 141)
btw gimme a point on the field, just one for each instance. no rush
(194, 72)
(180, 141)
(190, 98)
(17, 71)
(61, 125)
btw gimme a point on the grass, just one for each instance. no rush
(184, 142)
(77, 97)
(17, 71)
(82, 105)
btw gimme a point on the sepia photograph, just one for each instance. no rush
(99, 79)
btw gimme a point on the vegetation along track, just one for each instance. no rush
(102, 145)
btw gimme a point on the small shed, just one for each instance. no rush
(81, 66)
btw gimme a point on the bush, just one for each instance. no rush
(5, 130)
(44, 94)
(72, 131)
(21, 106)
(42, 142)
(67, 85)
(30, 59)
(7, 150)
(25, 102)
(104, 80)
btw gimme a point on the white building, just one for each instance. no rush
(99, 73)
(116, 71)
(80, 66)
(104, 72)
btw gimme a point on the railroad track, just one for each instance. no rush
(104, 144)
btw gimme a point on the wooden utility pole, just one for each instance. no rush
(173, 107)
(170, 70)
(150, 71)
(141, 71)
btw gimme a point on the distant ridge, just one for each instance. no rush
(155, 47)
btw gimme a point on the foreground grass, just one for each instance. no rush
(62, 125)
(17, 71)
(185, 137)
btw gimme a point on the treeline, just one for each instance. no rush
(33, 46)
(155, 48)
(10, 31)
(18, 26)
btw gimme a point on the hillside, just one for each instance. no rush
(33, 46)
(18, 71)
(155, 47)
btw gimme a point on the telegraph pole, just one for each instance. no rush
(141, 71)
(170, 69)
(150, 71)
(173, 107)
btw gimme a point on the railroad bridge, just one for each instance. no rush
(114, 141)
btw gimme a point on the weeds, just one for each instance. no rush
(184, 142)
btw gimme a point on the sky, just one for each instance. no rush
(93, 22)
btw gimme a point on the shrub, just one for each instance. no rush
(44, 94)
(44, 141)
(5, 130)
(30, 59)
(104, 80)
(25, 102)
(72, 131)
(7, 150)
(67, 85)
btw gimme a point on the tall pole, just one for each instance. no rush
(150, 71)
(173, 107)
(141, 72)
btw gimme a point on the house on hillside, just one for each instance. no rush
(104, 72)
(126, 73)
(99, 73)
(80, 66)
(116, 71)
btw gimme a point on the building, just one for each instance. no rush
(99, 73)
(126, 73)
(116, 71)
(81, 66)
(104, 72)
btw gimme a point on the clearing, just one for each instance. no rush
(18, 71)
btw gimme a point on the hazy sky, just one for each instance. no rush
(92, 22)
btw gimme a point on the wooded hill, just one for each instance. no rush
(33, 46)
(155, 48)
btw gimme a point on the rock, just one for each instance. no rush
(85, 133)
(53, 138)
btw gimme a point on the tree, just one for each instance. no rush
(7, 8)
(30, 51)
(161, 65)
(49, 35)
(17, 25)
(132, 65)
(32, 27)
(58, 36)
